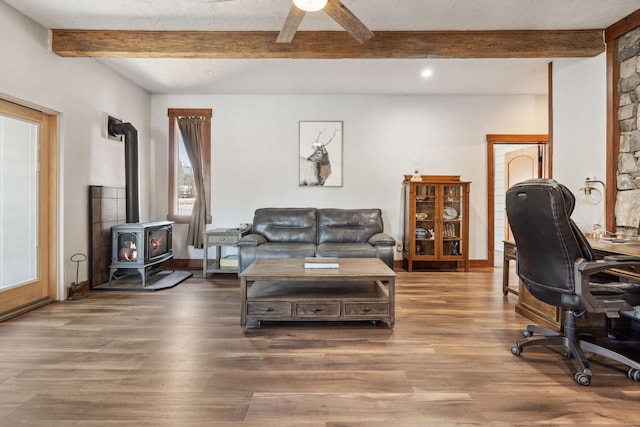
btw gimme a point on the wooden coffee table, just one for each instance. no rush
(282, 289)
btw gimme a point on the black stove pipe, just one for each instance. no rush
(131, 166)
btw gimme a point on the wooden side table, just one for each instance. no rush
(217, 238)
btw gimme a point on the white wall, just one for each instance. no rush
(579, 128)
(79, 90)
(255, 151)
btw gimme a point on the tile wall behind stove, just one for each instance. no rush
(107, 207)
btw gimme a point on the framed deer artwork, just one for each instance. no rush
(320, 148)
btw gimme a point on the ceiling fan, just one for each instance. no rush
(334, 8)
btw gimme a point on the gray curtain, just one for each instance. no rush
(192, 131)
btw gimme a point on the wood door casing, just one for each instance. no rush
(496, 139)
(44, 288)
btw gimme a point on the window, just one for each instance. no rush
(182, 190)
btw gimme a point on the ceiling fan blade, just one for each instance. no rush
(343, 16)
(291, 25)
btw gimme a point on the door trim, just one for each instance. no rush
(48, 218)
(512, 139)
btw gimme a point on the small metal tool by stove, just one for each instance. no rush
(75, 290)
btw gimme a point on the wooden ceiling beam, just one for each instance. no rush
(327, 44)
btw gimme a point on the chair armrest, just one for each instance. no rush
(251, 240)
(382, 239)
(583, 270)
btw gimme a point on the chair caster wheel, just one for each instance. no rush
(516, 350)
(634, 374)
(582, 378)
(527, 334)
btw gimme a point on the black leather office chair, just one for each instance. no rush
(558, 266)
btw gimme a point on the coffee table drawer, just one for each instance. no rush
(272, 309)
(320, 309)
(359, 309)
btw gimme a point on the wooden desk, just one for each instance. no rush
(541, 313)
(631, 247)
(602, 247)
(509, 255)
(551, 316)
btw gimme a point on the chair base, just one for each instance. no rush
(575, 347)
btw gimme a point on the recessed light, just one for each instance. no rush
(427, 72)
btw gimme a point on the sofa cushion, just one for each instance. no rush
(285, 250)
(294, 225)
(348, 225)
(346, 250)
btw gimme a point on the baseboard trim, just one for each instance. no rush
(25, 308)
(480, 263)
(187, 263)
(475, 264)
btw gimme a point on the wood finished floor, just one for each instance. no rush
(178, 357)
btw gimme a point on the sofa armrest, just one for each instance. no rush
(251, 240)
(382, 239)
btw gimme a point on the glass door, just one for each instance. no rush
(425, 217)
(453, 209)
(24, 207)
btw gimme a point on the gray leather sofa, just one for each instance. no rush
(307, 232)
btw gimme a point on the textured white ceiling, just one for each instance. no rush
(483, 76)
(376, 14)
(346, 76)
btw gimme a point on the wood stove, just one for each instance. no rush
(137, 246)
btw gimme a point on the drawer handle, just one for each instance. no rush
(267, 309)
(317, 309)
(366, 309)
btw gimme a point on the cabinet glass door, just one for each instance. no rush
(453, 208)
(425, 212)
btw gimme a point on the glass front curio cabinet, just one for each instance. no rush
(436, 222)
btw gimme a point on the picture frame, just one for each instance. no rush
(320, 153)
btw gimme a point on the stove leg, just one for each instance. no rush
(142, 272)
(111, 271)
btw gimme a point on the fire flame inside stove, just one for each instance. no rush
(129, 251)
(155, 245)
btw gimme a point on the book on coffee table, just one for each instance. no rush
(321, 262)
